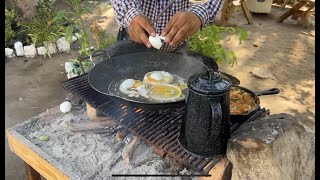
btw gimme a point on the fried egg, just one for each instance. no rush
(157, 77)
(129, 87)
(127, 84)
(166, 93)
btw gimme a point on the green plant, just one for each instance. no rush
(10, 16)
(78, 11)
(46, 25)
(103, 39)
(76, 66)
(208, 42)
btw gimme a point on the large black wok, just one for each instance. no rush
(106, 76)
(133, 60)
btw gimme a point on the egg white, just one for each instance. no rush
(160, 77)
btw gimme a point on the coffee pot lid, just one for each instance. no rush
(209, 83)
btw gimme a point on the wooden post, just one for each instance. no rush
(229, 7)
(221, 171)
(31, 173)
(292, 11)
(224, 13)
(246, 11)
(92, 114)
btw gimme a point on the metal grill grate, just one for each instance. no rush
(158, 128)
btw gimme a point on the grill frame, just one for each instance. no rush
(159, 129)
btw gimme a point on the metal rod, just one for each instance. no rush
(163, 11)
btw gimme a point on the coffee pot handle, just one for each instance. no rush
(215, 119)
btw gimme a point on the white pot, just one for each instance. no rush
(259, 6)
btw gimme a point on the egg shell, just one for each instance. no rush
(155, 41)
(65, 107)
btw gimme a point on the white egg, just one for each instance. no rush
(65, 107)
(156, 76)
(128, 83)
(156, 41)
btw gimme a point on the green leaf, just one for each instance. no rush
(44, 138)
(69, 33)
(208, 42)
(60, 15)
(233, 58)
(243, 35)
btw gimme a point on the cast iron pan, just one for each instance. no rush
(242, 117)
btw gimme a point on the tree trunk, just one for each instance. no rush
(28, 8)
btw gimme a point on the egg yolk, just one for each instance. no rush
(137, 84)
(164, 91)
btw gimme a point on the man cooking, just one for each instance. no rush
(181, 20)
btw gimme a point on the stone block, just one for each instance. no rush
(63, 45)
(42, 51)
(18, 46)
(52, 48)
(9, 53)
(30, 51)
(274, 147)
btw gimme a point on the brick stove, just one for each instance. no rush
(159, 129)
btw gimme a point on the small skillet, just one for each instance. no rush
(255, 95)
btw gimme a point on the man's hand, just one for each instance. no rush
(139, 26)
(181, 26)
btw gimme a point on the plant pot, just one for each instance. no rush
(259, 6)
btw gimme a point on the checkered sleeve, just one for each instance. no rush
(206, 11)
(125, 10)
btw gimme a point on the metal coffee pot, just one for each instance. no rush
(205, 128)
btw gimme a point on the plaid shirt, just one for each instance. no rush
(125, 10)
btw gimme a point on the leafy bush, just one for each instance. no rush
(207, 42)
(10, 16)
(78, 10)
(46, 25)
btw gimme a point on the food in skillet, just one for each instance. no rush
(157, 77)
(158, 86)
(166, 93)
(133, 88)
(241, 102)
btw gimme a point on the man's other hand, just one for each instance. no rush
(139, 27)
(181, 26)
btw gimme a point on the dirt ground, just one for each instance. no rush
(285, 50)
